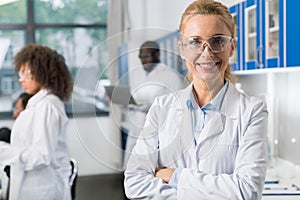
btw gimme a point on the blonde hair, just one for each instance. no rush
(210, 7)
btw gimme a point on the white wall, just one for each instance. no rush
(94, 143)
(156, 13)
(282, 95)
(230, 2)
(160, 14)
(164, 14)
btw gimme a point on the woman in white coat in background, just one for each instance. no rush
(38, 157)
(207, 141)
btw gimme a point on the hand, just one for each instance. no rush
(139, 107)
(165, 174)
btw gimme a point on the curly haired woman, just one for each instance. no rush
(38, 152)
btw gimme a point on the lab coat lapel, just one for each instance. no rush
(212, 131)
(231, 100)
(213, 127)
(228, 109)
(187, 136)
(210, 135)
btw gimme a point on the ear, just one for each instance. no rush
(233, 46)
(181, 50)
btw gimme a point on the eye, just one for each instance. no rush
(194, 42)
(218, 41)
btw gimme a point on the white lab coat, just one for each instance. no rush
(3, 178)
(145, 88)
(38, 156)
(229, 161)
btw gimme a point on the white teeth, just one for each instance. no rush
(207, 65)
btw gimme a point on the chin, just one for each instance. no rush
(209, 76)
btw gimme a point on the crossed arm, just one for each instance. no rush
(165, 174)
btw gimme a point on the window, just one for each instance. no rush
(75, 28)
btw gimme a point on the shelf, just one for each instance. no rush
(274, 29)
(252, 35)
(267, 71)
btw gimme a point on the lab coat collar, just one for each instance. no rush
(228, 106)
(215, 103)
(37, 97)
(216, 125)
(212, 131)
(157, 68)
(186, 95)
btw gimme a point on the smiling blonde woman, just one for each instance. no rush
(207, 141)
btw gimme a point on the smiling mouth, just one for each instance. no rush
(206, 66)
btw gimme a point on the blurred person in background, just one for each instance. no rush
(20, 104)
(38, 155)
(155, 79)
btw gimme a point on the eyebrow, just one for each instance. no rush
(199, 37)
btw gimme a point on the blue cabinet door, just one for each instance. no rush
(268, 34)
(251, 35)
(262, 34)
(237, 61)
(291, 29)
(272, 36)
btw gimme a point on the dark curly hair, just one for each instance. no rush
(48, 68)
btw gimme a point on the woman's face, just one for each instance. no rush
(206, 45)
(28, 82)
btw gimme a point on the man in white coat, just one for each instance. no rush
(153, 80)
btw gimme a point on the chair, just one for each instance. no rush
(73, 177)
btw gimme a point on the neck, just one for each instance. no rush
(205, 91)
(150, 67)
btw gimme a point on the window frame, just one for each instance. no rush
(30, 27)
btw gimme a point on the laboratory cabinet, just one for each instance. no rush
(267, 34)
(237, 58)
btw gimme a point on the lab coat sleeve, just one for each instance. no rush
(8, 154)
(247, 180)
(140, 182)
(45, 127)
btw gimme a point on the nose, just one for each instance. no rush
(204, 45)
(21, 79)
(143, 59)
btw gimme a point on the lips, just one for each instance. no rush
(206, 66)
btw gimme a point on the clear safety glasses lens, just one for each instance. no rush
(24, 74)
(216, 44)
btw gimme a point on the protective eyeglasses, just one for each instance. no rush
(196, 45)
(24, 74)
